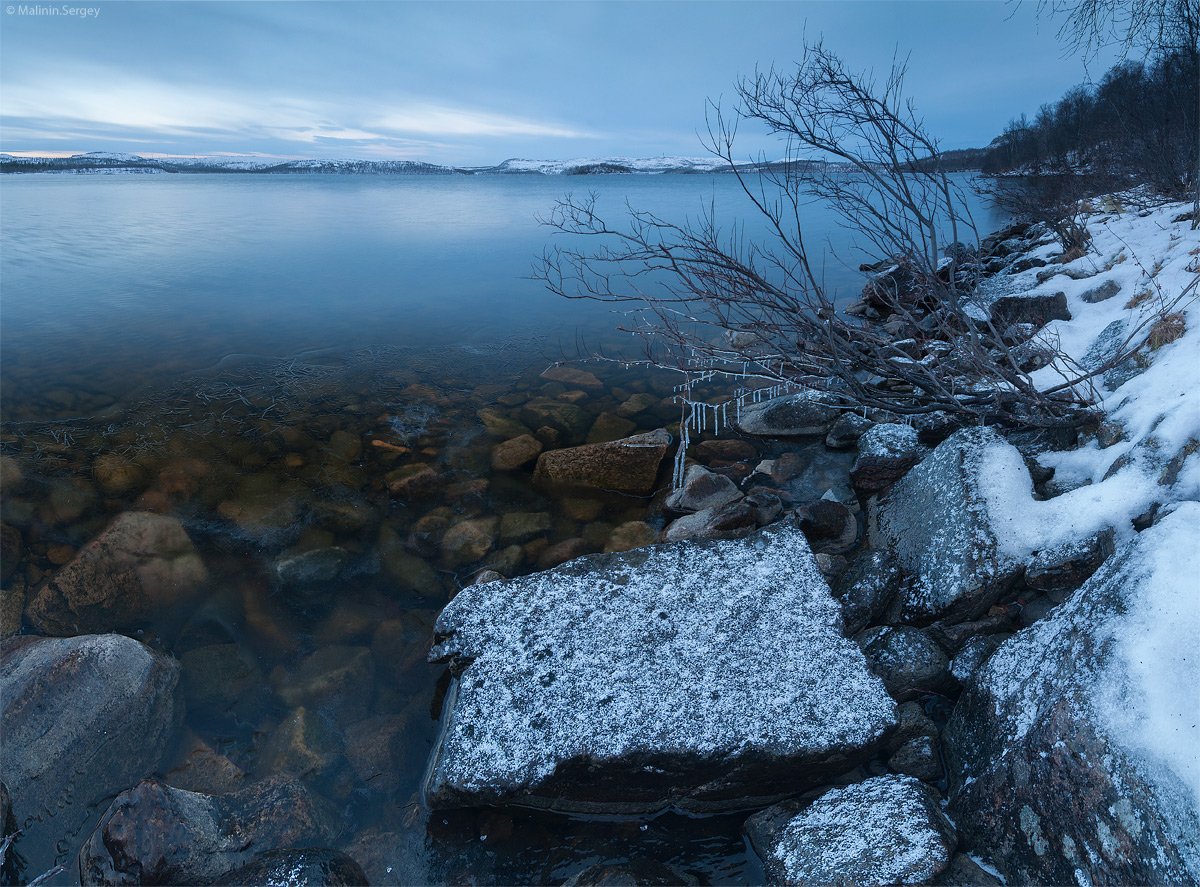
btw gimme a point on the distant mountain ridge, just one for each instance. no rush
(103, 162)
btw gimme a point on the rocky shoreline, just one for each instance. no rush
(898, 652)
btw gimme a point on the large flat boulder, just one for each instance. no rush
(887, 830)
(83, 718)
(702, 675)
(1073, 754)
(629, 465)
(140, 566)
(807, 414)
(937, 523)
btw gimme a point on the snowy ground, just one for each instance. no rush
(1156, 460)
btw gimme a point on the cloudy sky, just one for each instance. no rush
(475, 83)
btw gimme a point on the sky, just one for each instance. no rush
(476, 83)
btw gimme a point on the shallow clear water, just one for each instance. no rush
(261, 353)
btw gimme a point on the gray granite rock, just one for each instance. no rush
(936, 522)
(1072, 755)
(83, 718)
(703, 489)
(807, 414)
(885, 453)
(907, 660)
(701, 675)
(887, 830)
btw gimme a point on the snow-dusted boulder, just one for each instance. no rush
(1073, 753)
(885, 453)
(887, 830)
(702, 675)
(807, 414)
(937, 521)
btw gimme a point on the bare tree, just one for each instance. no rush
(710, 303)
(1153, 27)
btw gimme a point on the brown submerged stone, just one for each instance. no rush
(628, 466)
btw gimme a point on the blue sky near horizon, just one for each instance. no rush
(474, 83)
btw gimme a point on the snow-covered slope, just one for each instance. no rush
(613, 164)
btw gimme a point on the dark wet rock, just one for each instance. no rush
(933, 428)
(83, 718)
(609, 426)
(12, 478)
(1026, 264)
(936, 522)
(573, 377)
(831, 566)
(117, 476)
(222, 680)
(637, 873)
(830, 526)
(765, 506)
(349, 515)
(846, 431)
(565, 418)
(1032, 355)
(732, 521)
(618, 682)
(1067, 755)
(963, 871)
(630, 535)
(515, 453)
(335, 678)
(907, 660)
(702, 489)
(310, 867)
(1102, 292)
(468, 541)
(807, 414)
(867, 588)
(1035, 308)
(1069, 565)
(521, 526)
(266, 510)
(9, 871)
(12, 607)
(911, 724)
(629, 465)
(725, 449)
(972, 656)
(409, 572)
(887, 830)
(155, 834)
(918, 758)
(314, 567)
(885, 454)
(11, 549)
(951, 636)
(140, 566)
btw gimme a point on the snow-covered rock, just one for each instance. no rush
(1074, 751)
(887, 830)
(885, 453)
(937, 522)
(701, 675)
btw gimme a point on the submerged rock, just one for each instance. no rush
(1073, 754)
(627, 466)
(936, 522)
(142, 565)
(807, 414)
(83, 718)
(705, 676)
(887, 830)
(155, 834)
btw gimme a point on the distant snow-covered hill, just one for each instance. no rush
(102, 162)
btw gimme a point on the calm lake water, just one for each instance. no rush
(261, 357)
